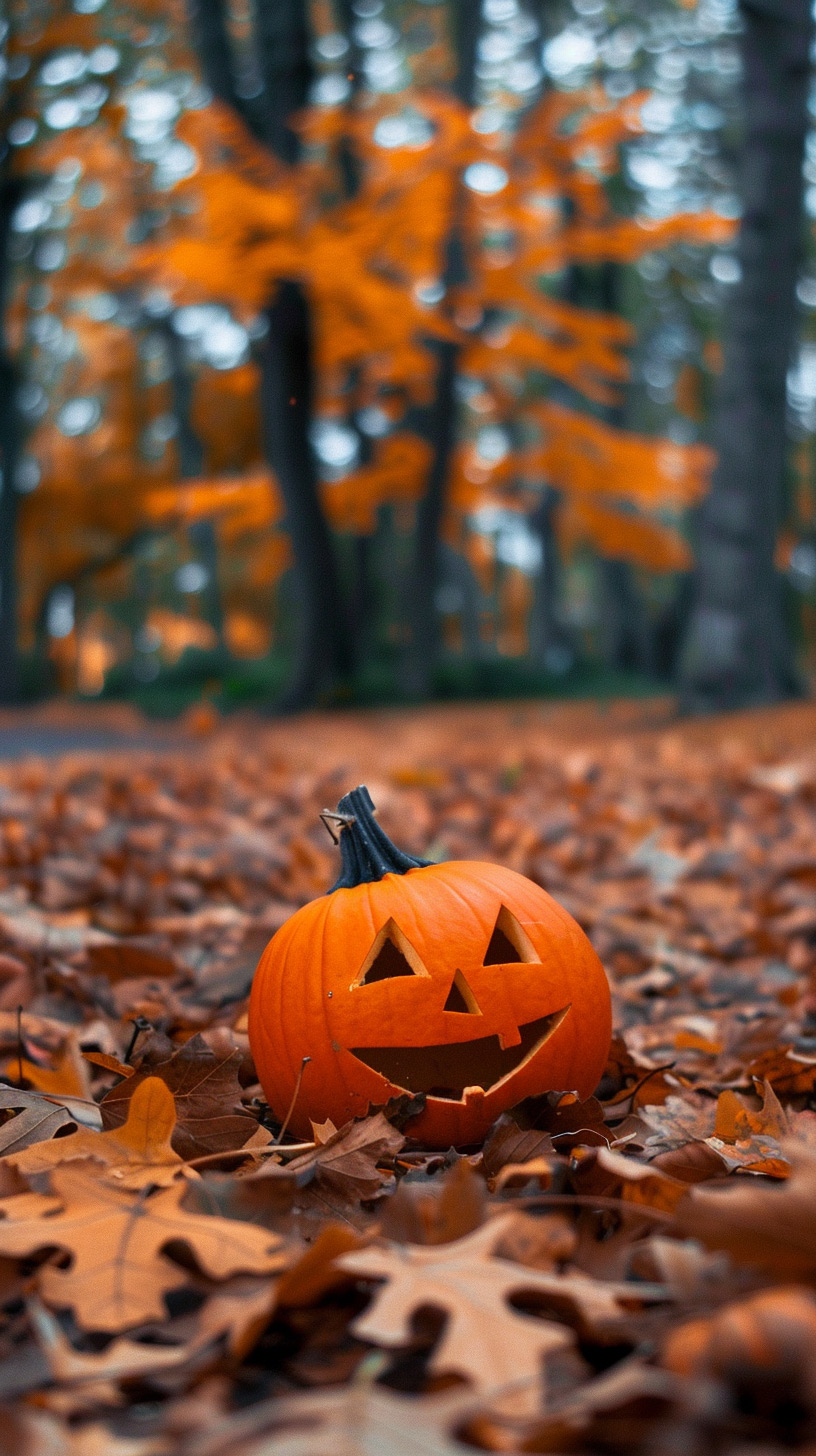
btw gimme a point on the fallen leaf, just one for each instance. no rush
(136, 1154)
(36, 1121)
(67, 1078)
(122, 960)
(339, 1174)
(735, 1121)
(771, 1227)
(508, 1143)
(765, 1339)
(117, 1239)
(484, 1340)
(207, 1096)
(316, 1271)
(109, 1063)
(540, 1169)
(640, 1183)
(423, 1213)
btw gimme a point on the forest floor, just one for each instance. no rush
(632, 1272)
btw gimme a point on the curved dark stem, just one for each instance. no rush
(367, 852)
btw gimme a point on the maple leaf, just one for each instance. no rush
(135, 1154)
(207, 1096)
(484, 1340)
(119, 1271)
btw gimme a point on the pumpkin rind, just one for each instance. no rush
(304, 1002)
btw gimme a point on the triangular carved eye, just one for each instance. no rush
(460, 997)
(509, 944)
(391, 955)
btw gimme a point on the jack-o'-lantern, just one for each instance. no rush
(462, 980)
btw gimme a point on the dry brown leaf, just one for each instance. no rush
(122, 960)
(36, 1121)
(67, 1078)
(768, 1337)
(422, 1213)
(122, 1359)
(772, 1228)
(207, 1095)
(508, 1143)
(316, 1271)
(640, 1183)
(136, 1154)
(117, 1239)
(538, 1169)
(484, 1340)
(335, 1177)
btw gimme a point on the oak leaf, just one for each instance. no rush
(119, 1269)
(484, 1340)
(136, 1154)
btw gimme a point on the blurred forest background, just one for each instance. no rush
(365, 349)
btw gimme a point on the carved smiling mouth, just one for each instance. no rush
(446, 1071)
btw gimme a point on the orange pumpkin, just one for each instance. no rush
(464, 981)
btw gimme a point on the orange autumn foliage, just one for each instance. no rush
(396, 474)
(366, 262)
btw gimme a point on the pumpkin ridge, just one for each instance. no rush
(285, 1052)
(452, 886)
(324, 1000)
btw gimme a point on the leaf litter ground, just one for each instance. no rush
(636, 1272)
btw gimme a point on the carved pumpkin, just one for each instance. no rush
(463, 980)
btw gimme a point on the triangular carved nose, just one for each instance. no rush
(460, 997)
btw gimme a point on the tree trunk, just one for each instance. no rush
(324, 652)
(736, 652)
(424, 644)
(282, 40)
(190, 454)
(211, 39)
(10, 193)
(282, 50)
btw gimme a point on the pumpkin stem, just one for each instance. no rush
(367, 853)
